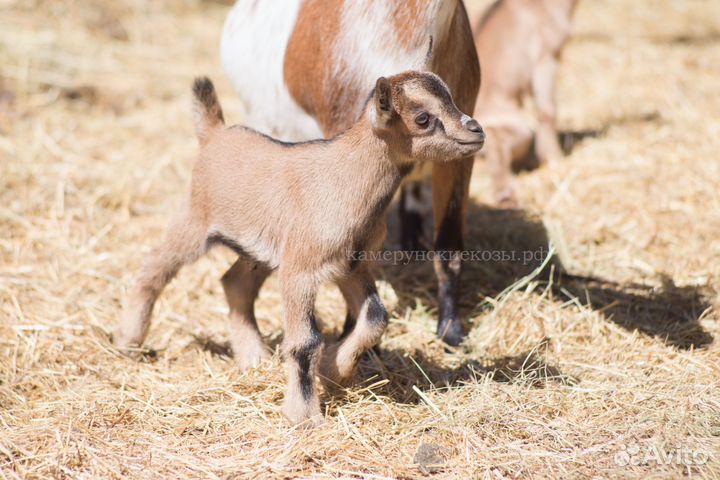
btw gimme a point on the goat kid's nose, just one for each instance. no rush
(473, 126)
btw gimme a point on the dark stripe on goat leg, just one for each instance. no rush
(304, 356)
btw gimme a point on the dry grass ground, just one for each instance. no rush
(564, 376)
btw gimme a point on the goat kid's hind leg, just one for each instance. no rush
(450, 182)
(353, 309)
(301, 348)
(340, 359)
(184, 243)
(241, 284)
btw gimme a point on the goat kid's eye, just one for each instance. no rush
(423, 119)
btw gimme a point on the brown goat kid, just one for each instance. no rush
(305, 209)
(519, 44)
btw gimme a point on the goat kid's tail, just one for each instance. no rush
(208, 115)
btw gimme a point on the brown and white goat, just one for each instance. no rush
(302, 69)
(305, 209)
(519, 44)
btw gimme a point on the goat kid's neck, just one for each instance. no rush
(374, 153)
(368, 169)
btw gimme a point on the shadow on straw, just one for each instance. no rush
(407, 372)
(668, 313)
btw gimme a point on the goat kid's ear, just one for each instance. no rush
(383, 102)
(383, 96)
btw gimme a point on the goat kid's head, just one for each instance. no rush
(415, 113)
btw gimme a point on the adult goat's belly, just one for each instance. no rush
(252, 52)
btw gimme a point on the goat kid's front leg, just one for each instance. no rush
(340, 359)
(506, 145)
(301, 348)
(499, 158)
(547, 145)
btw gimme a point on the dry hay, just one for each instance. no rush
(560, 377)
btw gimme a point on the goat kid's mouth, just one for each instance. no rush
(469, 138)
(471, 145)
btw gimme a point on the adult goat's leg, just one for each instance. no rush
(450, 184)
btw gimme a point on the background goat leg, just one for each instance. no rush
(450, 182)
(547, 146)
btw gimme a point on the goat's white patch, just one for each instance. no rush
(464, 119)
(252, 52)
(368, 46)
(441, 13)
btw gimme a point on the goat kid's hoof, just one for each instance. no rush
(303, 416)
(139, 354)
(333, 374)
(128, 347)
(549, 162)
(249, 358)
(550, 158)
(506, 199)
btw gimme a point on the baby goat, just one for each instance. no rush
(305, 209)
(519, 43)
